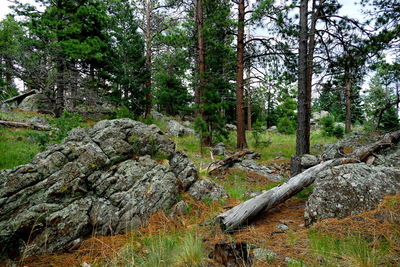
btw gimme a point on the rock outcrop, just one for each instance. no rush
(250, 165)
(37, 103)
(100, 180)
(176, 129)
(350, 189)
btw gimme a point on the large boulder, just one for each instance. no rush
(176, 129)
(5, 108)
(100, 180)
(350, 189)
(37, 103)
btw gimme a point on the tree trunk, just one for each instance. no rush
(241, 214)
(60, 87)
(302, 134)
(149, 95)
(249, 122)
(348, 106)
(241, 131)
(206, 139)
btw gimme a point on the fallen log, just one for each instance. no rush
(364, 152)
(20, 97)
(227, 162)
(241, 214)
(25, 125)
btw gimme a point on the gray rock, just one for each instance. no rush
(158, 116)
(308, 161)
(250, 165)
(350, 189)
(37, 103)
(176, 129)
(219, 149)
(263, 254)
(339, 124)
(319, 115)
(389, 157)
(39, 121)
(186, 123)
(273, 129)
(98, 180)
(282, 227)
(231, 127)
(207, 190)
(5, 108)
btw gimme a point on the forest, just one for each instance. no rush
(242, 102)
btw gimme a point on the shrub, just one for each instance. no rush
(64, 124)
(124, 112)
(329, 127)
(338, 131)
(286, 126)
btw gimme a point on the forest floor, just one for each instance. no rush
(368, 239)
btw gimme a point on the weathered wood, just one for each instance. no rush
(227, 162)
(25, 125)
(364, 152)
(241, 214)
(20, 97)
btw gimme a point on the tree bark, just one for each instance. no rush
(241, 214)
(302, 134)
(241, 131)
(148, 83)
(60, 87)
(348, 106)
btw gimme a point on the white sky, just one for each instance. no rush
(349, 8)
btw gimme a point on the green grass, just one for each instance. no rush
(15, 148)
(235, 185)
(181, 249)
(351, 251)
(19, 115)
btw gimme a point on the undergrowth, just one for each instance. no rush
(181, 249)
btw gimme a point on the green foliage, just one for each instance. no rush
(257, 132)
(236, 185)
(64, 124)
(124, 112)
(171, 95)
(286, 125)
(390, 119)
(168, 249)
(329, 127)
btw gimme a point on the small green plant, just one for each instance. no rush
(64, 124)
(164, 250)
(286, 126)
(124, 112)
(257, 134)
(329, 127)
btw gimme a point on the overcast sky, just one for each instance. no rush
(349, 8)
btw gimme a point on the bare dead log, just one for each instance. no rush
(25, 125)
(227, 162)
(241, 214)
(364, 152)
(20, 97)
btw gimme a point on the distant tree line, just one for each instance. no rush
(219, 61)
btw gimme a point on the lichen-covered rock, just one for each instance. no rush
(37, 103)
(219, 149)
(308, 161)
(184, 169)
(39, 121)
(207, 190)
(389, 157)
(176, 129)
(350, 189)
(98, 180)
(251, 165)
(230, 127)
(5, 108)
